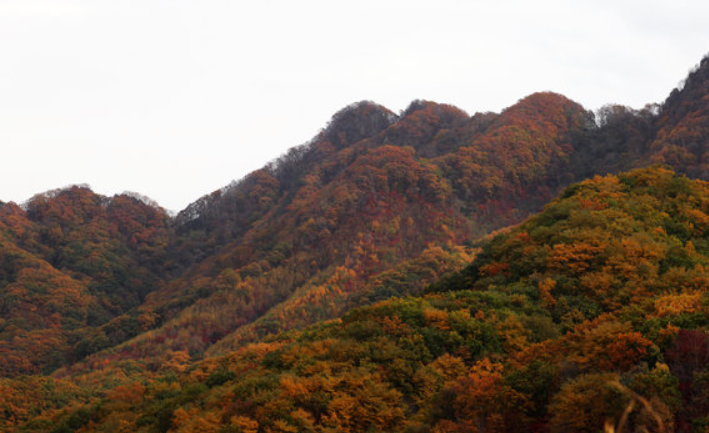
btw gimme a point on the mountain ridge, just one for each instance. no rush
(376, 206)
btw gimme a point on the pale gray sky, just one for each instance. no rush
(175, 98)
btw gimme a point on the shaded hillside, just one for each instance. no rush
(592, 312)
(674, 132)
(683, 125)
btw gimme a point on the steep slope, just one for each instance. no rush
(370, 192)
(227, 214)
(683, 125)
(317, 227)
(592, 312)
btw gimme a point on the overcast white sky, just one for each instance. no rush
(174, 99)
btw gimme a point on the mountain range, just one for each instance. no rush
(538, 269)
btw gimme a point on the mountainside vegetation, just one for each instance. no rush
(75, 265)
(593, 311)
(393, 274)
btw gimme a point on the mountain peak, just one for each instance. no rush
(357, 121)
(544, 103)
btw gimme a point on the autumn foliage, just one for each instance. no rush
(395, 273)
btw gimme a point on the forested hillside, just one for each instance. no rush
(594, 311)
(373, 195)
(74, 264)
(293, 299)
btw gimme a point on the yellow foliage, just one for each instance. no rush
(436, 318)
(513, 333)
(293, 386)
(545, 288)
(176, 361)
(575, 257)
(180, 417)
(449, 367)
(304, 420)
(196, 421)
(280, 426)
(245, 424)
(672, 305)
